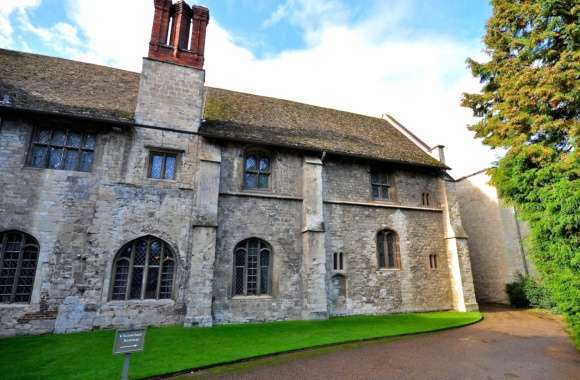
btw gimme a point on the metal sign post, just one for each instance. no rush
(127, 342)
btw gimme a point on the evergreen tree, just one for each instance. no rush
(529, 105)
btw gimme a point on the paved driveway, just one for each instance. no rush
(508, 344)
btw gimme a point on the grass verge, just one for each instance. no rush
(174, 349)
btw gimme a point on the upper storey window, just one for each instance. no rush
(257, 171)
(162, 165)
(382, 185)
(62, 149)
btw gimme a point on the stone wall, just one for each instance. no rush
(495, 238)
(352, 228)
(273, 216)
(81, 220)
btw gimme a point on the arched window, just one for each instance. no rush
(388, 250)
(143, 269)
(18, 259)
(257, 170)
(252, 263)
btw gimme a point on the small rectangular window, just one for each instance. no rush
(162, 165)
(381, 184)
(433, 261)
(62, 149)
(426, 199)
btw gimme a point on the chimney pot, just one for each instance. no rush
(178, 33)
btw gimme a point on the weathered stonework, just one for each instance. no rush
(495, 238)
(316, 205)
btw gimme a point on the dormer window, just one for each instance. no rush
(257, 171)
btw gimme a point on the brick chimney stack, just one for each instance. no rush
(178, 34)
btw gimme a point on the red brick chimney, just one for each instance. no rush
(178, 34)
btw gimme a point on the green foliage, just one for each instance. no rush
(526, 291)
(517, 294)
(530, 105)
(88, 356)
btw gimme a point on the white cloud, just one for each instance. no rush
(117, 32)
(368, 68)
(60, 37)
(7, 8)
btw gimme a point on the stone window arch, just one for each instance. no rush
(143, 269)
(388, 255)
(18, 261)
(257, 169)
(252, 268)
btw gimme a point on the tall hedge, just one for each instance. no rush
(529, 105)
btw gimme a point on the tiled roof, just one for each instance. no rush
(55, 85)
(239, 116)
(67, 87)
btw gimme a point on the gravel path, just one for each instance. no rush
(507, 344)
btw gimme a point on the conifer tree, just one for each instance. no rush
(529, 105)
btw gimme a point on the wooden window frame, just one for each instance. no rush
(383, 257)
(164, 154)
(82, 148)
(164, 257)
(18, 270)
(259, 154)
(385, 181)
(244, 246)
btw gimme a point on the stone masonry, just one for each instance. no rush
(316, 205)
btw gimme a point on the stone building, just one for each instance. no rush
(150, 199)
(496, 238)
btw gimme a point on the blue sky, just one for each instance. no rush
(402, 57)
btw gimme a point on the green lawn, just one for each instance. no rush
(169, 349)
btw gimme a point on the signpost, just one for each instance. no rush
(127, 342)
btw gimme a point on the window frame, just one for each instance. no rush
(338, 261)
(244, 246)
(65, 147)
(131, 264)
(385, 254)
(165, 153)
(33, 242)
(433, 261)
(426, 199)
(386, 180)
(259, 154)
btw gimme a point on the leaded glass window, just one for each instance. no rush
(388, 250)
(18, 260)
(252, 263)
(381, 186)
(257, 171)
(62, 149)
(162, 165)
(143, 269)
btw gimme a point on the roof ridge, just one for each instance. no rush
(25, 53)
